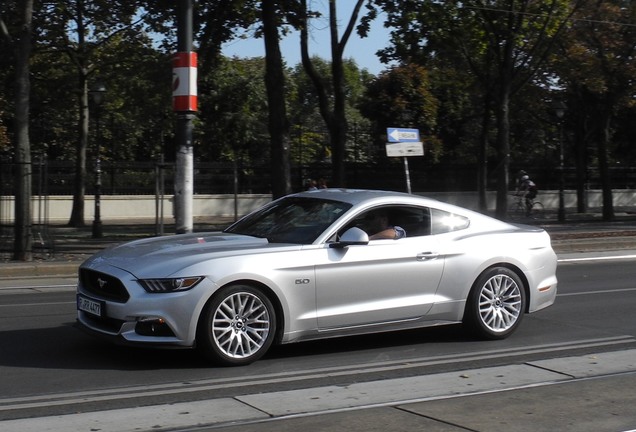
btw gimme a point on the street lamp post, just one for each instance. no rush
(97, 94)
(559, 110)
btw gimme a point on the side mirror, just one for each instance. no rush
(352, 236)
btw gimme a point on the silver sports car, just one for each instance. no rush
(319, 264)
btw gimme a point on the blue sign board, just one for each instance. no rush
(396, 135)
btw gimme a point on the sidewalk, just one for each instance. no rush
(59, 249)
(582, 393)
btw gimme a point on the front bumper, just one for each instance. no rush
(141, 318)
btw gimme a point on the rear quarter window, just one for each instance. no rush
(444, 222)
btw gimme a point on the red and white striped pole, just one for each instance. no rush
(184, 104)
(184, 82)
(184, 92)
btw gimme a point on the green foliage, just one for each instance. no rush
(451, 63)
(402, 97)
(137, 79)
(459, 120)
(601, 45)
(599, 88)
(234, 112)
(480, 55)
(309, 127)
(308, 146)
(4, 138)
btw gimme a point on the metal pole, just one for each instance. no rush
(162, 193)
(184, 174)
(97, 221)
(235, 189)
(559, 108)
(561, 213)
(184, 181)
(408, 175)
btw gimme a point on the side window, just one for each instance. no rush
(415, 221)
(443, 222)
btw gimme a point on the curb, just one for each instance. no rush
(40, 269)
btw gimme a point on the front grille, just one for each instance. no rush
(103, 285)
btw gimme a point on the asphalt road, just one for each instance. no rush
(571, 367)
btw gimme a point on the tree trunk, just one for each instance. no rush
(603, 165)
(335, 118)
(79, 185)
(503, 153)
(581, 160)
(275, 84)
(482, 163)
(338, 126)
(23, 240)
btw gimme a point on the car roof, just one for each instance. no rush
(356, 196)
(365, 198)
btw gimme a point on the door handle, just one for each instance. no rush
(427, 256)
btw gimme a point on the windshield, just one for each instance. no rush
(291, 220)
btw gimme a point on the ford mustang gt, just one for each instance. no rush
(319, 264)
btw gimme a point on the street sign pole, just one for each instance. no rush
(404, 142)
(408, 175)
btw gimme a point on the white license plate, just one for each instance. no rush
(93, 307)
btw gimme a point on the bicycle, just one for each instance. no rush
(518, 209)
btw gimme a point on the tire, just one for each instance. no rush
(237, 326)
(537, 210)
(516, 211)
(496, 304)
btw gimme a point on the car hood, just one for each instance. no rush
(165, 256)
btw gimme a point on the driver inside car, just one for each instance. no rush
(378, 224)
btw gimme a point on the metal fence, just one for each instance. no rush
(141, 178)
(144, 178)
(55, 178)
(147, 178)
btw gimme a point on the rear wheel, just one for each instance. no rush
(496, 304)
(237, 326)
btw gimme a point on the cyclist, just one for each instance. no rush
(528, 190)
(520, 174)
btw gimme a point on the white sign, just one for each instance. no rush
(404, 149)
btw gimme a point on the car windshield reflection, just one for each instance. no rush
(291, 220)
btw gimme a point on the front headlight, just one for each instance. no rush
(169, 285)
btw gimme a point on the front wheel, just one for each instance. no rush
(496, 304)
(537, 210)
(516, 210)
(237, 326)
